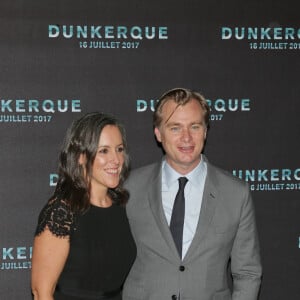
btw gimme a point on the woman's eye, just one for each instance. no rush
(103, 151)
(120, 149)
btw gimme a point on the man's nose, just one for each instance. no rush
(186, 135)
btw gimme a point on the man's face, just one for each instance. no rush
(182, 135)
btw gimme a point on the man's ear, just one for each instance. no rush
(157, 134)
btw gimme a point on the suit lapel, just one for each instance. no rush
(209, 202)
(155, 202)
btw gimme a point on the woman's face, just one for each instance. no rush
(109, 159)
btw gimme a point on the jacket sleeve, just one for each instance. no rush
(245, 257)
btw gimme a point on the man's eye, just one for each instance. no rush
(196, 127)
(175, 129)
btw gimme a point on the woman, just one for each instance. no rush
(83, 247)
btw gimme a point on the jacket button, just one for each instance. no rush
(174, 297)
(181, 268)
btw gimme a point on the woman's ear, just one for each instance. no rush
(82, 160)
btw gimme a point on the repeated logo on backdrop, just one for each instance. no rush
(15, 258)
(272, 37)
(108, 36)
(35, 110)
(271, 179)
(218, 107)
(53, 177)
(259, 179)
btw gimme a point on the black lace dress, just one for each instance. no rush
(102, 250)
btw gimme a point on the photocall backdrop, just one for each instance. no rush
(61, 59)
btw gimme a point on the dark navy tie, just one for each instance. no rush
(177, 218)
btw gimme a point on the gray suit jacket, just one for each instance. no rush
(226, 231)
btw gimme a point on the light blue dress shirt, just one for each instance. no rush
(193, 194)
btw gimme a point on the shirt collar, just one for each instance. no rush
(195, 177)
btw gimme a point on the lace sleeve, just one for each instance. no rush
(57, 217)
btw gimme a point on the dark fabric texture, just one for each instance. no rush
(102, 250)
(177, 218)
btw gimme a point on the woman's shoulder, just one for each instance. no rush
(56, 216)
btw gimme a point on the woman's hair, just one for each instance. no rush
(82, 138)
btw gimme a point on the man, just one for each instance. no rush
(187, 257)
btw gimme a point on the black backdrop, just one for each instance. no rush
(242, 55)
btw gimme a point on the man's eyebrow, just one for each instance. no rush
(173, 124)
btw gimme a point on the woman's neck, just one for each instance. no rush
(100, 198)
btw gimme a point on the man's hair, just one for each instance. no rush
(180, 96)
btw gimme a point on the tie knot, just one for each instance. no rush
(182, 182)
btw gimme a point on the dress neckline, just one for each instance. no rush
(101, 207)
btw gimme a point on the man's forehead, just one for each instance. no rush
(174, 112)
